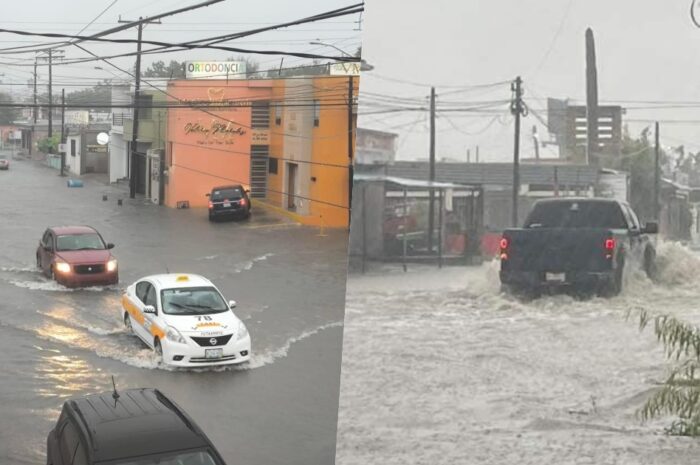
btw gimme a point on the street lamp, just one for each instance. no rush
(364, 66)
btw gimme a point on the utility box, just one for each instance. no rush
(154, 179)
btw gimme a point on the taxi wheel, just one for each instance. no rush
(158, 348)
(127, 323)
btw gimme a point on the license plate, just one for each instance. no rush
(214, 353)
(227, 204)
(555, 277)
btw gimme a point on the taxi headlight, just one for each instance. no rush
(62, 267)
(112, 264)
(242, 331)
(174, 335)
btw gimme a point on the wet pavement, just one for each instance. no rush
(289, 283)
(440, 367)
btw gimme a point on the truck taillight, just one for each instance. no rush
(504, 243)
(211, 205)
(609, 248)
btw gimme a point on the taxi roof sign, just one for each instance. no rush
(182, 278)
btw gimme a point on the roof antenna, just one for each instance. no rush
(115, 394)
(167, 271)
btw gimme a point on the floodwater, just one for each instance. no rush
(56, 343)
(439, 367)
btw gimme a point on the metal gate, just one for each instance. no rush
(259, 155)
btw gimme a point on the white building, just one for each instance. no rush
(118, 147)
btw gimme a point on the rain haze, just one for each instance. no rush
(493, 309)
(646, 52)
(214, 20)
(264, 389)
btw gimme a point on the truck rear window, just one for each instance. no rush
(573, 214)
(230, 194)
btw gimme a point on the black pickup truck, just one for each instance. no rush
(583, 244)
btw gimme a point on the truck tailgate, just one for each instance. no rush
(541, 249)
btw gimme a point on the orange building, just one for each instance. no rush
(288, 140)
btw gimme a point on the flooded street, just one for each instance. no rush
(289, 283)
(439, 367)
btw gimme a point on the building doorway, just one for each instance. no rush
(292, 169)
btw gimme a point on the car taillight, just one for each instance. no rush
(504, 243)
(242, 202)
(609, 247)
(211, 205)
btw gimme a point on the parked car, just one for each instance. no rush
(76, 256)
(186, 320)
(136, 427)
(229, 202)
(578, 243)
(4, 162)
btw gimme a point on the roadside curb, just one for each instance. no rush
(281, 211)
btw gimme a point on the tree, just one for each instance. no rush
(638, 159)
(49, 144)
(8, 115)
(251, 66)
(315, 69)
(96, 98)
(680, 394)
(158, 69)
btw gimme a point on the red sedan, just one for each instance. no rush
(76, 256)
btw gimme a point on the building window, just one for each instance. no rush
(317, 113)
(260, 115)
(272, 165)
(72, 147)
(278, 114)
(145, 105)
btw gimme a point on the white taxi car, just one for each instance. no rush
(186, 320)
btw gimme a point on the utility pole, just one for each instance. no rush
(35, 93)
(431, 205)
(657, 174)
(517, 108)
(469, 156)
(50, 95)
(133, 162)
(536, 141)
(592, 148)
(477, 154)
(51, 54)
(63, 130)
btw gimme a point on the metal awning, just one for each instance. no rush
(404, 182)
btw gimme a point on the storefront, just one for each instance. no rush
(217, 134)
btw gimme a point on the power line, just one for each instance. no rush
(322, 202)
(184, 46)
(554, 39)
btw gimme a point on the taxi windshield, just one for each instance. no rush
(192, 301)
(79, 242)
(183, 458)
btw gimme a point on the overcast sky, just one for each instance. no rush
(647, 50)
(70, 16)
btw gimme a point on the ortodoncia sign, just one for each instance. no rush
(215, 70)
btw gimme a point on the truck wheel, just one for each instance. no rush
(650, 264)
(521, 292)
(614, 286)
